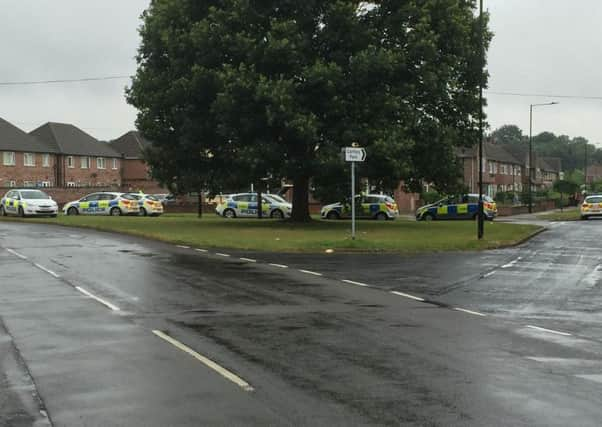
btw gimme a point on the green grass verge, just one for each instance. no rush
(401, 236)
(568, 215)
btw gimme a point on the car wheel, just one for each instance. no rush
(277, 214)
(72, 211)
(428, 217)
(381, 216)
(21, 212)
(2, 211)
(332, 215)
(229, 213)
(115, 212)
(143, 212)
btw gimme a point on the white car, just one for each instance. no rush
(28, 202)
(591, 206)
(245, 205)
(104, 203)
(148, 204)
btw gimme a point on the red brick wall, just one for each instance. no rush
(20, 173)
(135, 177)
(406, 202)
(92, 176)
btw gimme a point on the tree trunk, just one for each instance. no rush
(300, 200)
(259, 205)
(200, 212)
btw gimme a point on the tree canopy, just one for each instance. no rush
(232, 91)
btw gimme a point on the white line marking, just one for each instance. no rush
(224, 255)
(351, 282)
(100, 300)
(279, 265)
(401, 294)
(207, 362)
(182, 247)
(566, 334)
(476, 313)
(491, 273)
(17, 254)
(248, 259)
(52, 273)
(511, 263)
(202, 250)
(313, 273)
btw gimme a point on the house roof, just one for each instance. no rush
(131, 145)
(14, 139)
(68, 139)
(551, 164)
(492, 151)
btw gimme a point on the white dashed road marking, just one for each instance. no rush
(100, 300)
(476, 313)
(401, 294)
(491, 273)
(279, 265)
(551, 331)
(207, 362)
(313, 273)
(52, 273)
(202, 250)
(17, 254)
(512, 263)
(351, 282)
(219, 254)
(248, 259)
(183, 247)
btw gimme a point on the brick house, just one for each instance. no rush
(26, 161)
(501, 170)
(135, 173)
(81, 160)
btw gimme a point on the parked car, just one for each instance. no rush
(591, 206)
(28, 202)
(373, 206)
(245, 205)
(103, 203)
(165, 198)
(148, 204)
(465, 206)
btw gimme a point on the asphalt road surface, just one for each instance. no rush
(98, 329)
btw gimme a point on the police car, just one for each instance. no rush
(465, 206)
(245, 205)
(149, 205)
(28, 202)
(591, 206)
(372, 206)
(104, 203)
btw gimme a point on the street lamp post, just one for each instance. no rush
(480, 220)
(530, 183)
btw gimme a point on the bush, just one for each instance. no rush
(430, 197)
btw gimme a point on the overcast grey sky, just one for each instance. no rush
(540, 46)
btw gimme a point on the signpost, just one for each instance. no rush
(354, 154)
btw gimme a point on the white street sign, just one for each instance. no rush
(355, 154)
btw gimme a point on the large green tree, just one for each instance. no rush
(231, 91)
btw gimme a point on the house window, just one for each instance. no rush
(492, 168)
(70, 184)
(29, 159)
(100, 163)
(46, 160)
(46, 184)
(85, 162)
(9, 158)
(114, 164)
(12, 184)
(70, 162)
(29, 184)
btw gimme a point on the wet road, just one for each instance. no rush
(104, 330)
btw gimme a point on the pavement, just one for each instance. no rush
(98, 329)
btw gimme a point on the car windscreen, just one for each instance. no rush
(153, 198)
(128, 197)
(134, 196)
(34, 195)
(593, 199)
(276, 198)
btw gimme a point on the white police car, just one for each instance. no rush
(148, 204)
(245, 205)
(103, 203)
(28, 202)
